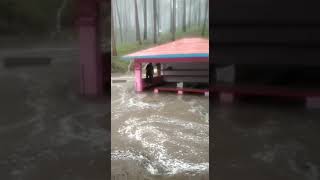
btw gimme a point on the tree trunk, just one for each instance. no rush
(171, 16)
(199, 15)
(174, 21)
(145, 35)
(129, 67)
(205, 18)
(184, 23)
(138, 38)
(158, 16)
(113, 35)
(126, 21)
(190, 12)
(195, 13)
(59, 16)
(120, 23)
(154, 21)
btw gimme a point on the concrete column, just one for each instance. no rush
(226, 97)
(206, 93)
(180, 92)
(138, 77)
(313, 102)
(159, 69)
(91, 72)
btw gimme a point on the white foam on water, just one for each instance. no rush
(137, 103)
(155, 139)
(288, 150)
(198, 109)
(163, 167)
(134, 102)
(170, 145)
(293, 152)
(68, 125)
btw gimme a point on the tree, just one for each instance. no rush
(154, 21)
(158, 16)
(59, 16)
(171, 16)
(190, 12)
(205, 18)
(199, 11)
(184, 23)
(126, 20)
(138, 38)
(174, 20)
(113, 35)
(195, 12)
(145, 21)
(119, 20)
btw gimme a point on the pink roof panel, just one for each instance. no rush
(183, 48)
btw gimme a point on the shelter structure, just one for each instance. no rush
(184, 62)
(267, 50)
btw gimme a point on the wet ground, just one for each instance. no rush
(265, 139)
(46, 130)
(158, 136)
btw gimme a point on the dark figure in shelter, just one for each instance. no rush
(149, 73)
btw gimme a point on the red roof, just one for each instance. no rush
(187, 47)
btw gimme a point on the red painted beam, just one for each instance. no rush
(266, 91)
(182, 89)
(186, 76)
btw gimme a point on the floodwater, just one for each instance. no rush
(266, 138)
(164, 135)
(47, 131)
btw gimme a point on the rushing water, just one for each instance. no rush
(165, 133)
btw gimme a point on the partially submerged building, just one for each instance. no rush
(180, 66)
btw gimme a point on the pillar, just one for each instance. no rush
(206, 93)
(180, 92)
(313, 102)
(138, 77)
(91, 72)
(226, 97)
(159, 69)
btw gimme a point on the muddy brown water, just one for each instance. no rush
(164, 135)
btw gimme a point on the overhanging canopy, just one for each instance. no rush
(183, 48)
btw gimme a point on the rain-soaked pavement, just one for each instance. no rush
(163, 135)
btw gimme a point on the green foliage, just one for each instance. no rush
(119, 65)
